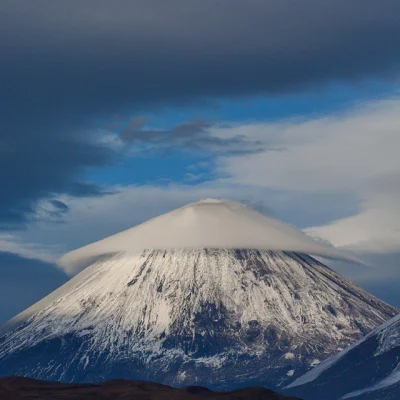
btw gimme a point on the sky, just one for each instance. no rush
(115, 112)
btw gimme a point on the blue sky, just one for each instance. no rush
(173, 166)
(112, 115)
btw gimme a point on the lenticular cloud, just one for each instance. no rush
(209, 223)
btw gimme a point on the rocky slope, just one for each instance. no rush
(221, 318)
(367, 370)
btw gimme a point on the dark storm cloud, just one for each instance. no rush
(147, 50)
(193, 135)
(38, 158)
(65, 63)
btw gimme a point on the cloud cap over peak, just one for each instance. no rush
(209, 223)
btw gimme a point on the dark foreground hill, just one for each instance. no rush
(17, 388)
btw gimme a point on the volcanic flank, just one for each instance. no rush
(211, 294)
(367, 370)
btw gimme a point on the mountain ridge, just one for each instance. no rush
(367, 370)
(215, 317)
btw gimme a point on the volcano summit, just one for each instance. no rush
(211, 294)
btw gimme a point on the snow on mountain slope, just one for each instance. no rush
(222, 318)
(210, 223)
(368, 370)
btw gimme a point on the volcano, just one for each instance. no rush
(212, 294)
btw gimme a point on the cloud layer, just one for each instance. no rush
(209, 223)
(337, 176)
(66, 64)
(354, 153)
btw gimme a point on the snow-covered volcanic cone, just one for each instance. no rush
(366, 370)
(211, 294)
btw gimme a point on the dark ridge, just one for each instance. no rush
(19, 388)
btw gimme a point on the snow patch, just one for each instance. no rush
(289, 356)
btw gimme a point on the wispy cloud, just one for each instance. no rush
(192, 135)
(10, 243)
(354, 153)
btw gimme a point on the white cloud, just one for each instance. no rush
(341, 152)
(93, 218)
(15, 244)
(375, 229)
(210, 223)
(354, 153)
